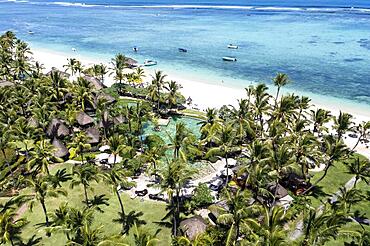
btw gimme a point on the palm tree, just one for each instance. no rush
(261, 104)
(41, 157)
(342, 123)
(116, 177)
(173, 178)
(320, 227)
(79, 145)
(271, 230)
(10, 227)
(71, 65)
(117, 145)
(320, 117)
(280, 80)
(177, 141)
(363, 130)
(234, 215)
(359, 167)
(57, 82)
(210, 125)
(41, 189)
(84, 175)
(144, 237)
(158, 82)
(335, 150)
(224, 139)
(173, 93)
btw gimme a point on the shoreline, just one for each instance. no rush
(217, 93)
(203, 93)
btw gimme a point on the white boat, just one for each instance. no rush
(135, 49)
(229, 58)
(30, 32)
(232, 46)
(149, 63)
(74, 49)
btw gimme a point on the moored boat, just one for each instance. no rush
(30, 32)
(183, 50)
(229, 58)
(149, 63)
(135, 49)
(232, 46)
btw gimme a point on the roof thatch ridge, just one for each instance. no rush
(193, 226)
(93, 134)
(277, 190)
(58, 128)
(60, 149)
(62, 73)
(98, 85)
(84, 119)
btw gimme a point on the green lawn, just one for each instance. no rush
(153, 212)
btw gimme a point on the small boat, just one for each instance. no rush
(74, 49)
(232, 46)
(229, 58)
(31, 32)
(149, 63)
(135, 49)
(183, 50)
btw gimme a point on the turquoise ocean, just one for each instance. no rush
(324, 46)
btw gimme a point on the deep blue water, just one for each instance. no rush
(324, 46)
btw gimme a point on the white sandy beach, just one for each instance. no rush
(204, 94)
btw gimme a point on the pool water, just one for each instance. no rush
(170, 129)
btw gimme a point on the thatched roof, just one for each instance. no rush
(118, 119)
(98, 85)
(107, 97)
(277, 190)
(84, 119)
(57, 128)
(193, 226)
(93, 134)
(62, 74)
(4, 83)
(60, 149)
(131, 61)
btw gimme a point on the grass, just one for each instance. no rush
(152, 212)
(336, 178)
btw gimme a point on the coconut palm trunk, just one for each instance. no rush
(42, 201)
(86, 196)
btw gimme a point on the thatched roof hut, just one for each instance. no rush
(93, 134)
(98, 85)
(193, 226)
(277, 190)
(62, 74)
(60, 149)
(84, 119)
(57, 128)
(4, 83)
